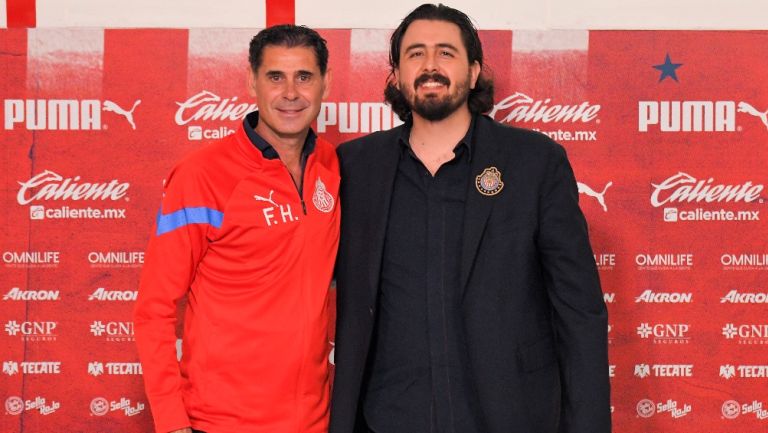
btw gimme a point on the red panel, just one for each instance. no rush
(281, 12)
(14, 226)
(21, 13)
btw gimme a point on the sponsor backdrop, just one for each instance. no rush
(667, 132)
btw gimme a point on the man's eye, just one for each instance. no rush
(304, 77)
(415, 54)
(275, 78)
(446, 53)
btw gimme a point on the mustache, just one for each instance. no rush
(435, 76)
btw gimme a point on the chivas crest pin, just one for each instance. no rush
(489, 181)
(322, 199)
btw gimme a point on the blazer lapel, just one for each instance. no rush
(382, 169)
(485, 154)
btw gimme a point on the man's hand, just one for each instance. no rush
(184, 430)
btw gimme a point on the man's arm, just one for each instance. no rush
(175, 248)
(580, 316)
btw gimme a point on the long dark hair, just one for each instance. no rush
(480, 98)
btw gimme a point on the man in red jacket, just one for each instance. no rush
(248, 231)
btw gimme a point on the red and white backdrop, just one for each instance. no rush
(667, 132)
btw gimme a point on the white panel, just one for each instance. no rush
(659, 14)
(550, 40)
(48, 44)
(151, 13)
(489, 14)
(75, 55)
(364, 41)
(3, 17)
(219, 42)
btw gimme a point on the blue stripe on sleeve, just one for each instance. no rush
(188, 215)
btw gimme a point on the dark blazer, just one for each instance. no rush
(533, 312)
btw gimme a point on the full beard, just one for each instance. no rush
(435, 108)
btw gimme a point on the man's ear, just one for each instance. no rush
(475, 72)
(396, 79)
(251, 82)
(327, 83)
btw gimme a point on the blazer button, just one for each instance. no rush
(370, 310)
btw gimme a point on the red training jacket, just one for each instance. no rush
(256, 262)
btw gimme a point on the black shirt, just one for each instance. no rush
(418, 370)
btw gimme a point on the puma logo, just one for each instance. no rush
(600, 196)
(268, 200)
(745, 107)
(272, 213)
(128, 114)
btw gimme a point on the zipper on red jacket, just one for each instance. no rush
(300, 185)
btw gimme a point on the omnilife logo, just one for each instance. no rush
(63, 114)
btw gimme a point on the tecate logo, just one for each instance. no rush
(52, 186)
(16, 294)
(96, 368)
(684, 188)
(62, 114)
(744, 371)
(520, 107)
(687, 116)
(28, 367)
(663, 370)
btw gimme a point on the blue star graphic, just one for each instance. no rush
(667, 69)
